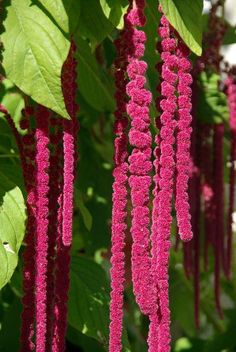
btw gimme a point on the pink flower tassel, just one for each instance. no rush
(154, 318)
(139, 160)
(42, 212)
(183, 142)
(55, 177)
(163, 199)
(231, 93)
(28, 300)
(61, 290)
(65, 203)
(69, 90)
(119, 211)
(27, 156)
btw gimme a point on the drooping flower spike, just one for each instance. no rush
(42, 212)
(205, 175)
(163, 198)
(183, 142)
(65, 201)
(119, 198)
(175, 119)
(54, 230)
(140, 159)
(46, 258)
(26, 149)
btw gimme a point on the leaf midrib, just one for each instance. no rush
(14, 6)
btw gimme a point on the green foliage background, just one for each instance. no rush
(36, 39)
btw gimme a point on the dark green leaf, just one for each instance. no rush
(10, 328)
(88, 299)
(93, 85)
(93, 23)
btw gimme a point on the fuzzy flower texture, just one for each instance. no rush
(173, 158)
(172, 168)
(140, 164)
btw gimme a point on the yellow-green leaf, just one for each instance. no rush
(34, 52)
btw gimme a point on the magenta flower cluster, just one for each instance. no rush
(183, 142)
(140, 164)
(42, 188)
(49, 225)
(65, 202)
(172, 158)
(27, 157)
(175, 120)
(119, 199)
(69, 143)
(166, 170)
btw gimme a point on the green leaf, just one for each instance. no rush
(35, 50)
(180, 299)
(12, 227)
(114, 11)
(93, 85)
(10, 327)
(93, 23)
(186, 17)
(66, 13)
(88, 299)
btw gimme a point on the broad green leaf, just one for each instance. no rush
(35, 50)
(93, 84)
(93, 23)
(186, 17)
(88, 299)
(12, 227)
(114, 11)
(66, 13)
